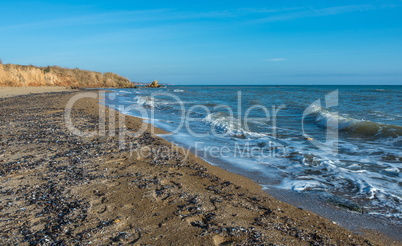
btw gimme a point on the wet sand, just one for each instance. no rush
(17, 91)
(60, 188)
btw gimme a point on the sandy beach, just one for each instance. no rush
(18, 91)
(60, 188)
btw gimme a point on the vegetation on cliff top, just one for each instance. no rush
(19, 76)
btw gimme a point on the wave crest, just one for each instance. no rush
(146, 101)
(359, 127)
(229, 125)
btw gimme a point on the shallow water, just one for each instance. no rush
(342, 143)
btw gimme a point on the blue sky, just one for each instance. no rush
(211, 42)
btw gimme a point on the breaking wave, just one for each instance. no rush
(146, 101)
(229, 125)
(364, 128)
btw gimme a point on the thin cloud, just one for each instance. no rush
(320, 12)
(136, 16)
(255, 15)
(100, 18)
(276, 60)
(150, 15)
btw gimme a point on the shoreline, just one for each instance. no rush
(221, 207)
(19, 91)
(362, 224)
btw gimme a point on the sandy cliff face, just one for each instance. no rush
(18, 75)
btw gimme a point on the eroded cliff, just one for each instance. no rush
(18, 75)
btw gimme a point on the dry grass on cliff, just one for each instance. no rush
(21, 76)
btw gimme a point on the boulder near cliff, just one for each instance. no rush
(154, 84)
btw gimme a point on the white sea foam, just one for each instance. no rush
(229, 125)
(301, 185)
(146, 101)
(366, 172)
(358, 126)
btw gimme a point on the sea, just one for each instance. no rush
(340, 146)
